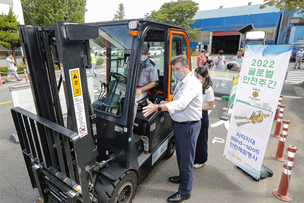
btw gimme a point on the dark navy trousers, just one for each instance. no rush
(185, 136)
(201, 154)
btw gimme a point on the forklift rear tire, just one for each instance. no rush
(125, 188)
(171, 148)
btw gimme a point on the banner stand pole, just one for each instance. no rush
(226, 115)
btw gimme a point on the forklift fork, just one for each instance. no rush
(54, 158)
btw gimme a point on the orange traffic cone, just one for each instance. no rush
(282, 192)
(280, 150)
(0, 80)
(25, 75)
(278, 125)
(278, 108)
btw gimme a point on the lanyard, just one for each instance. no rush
(175, 92)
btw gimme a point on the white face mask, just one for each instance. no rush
(201, 80)
(179, 75)
(301, 49)
(207, 54)
(144, 57)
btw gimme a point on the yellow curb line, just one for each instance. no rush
(6, 102)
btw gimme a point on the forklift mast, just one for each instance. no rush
(68, 151)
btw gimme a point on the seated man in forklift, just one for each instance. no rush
(148, 77)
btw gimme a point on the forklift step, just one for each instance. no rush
(142, 158)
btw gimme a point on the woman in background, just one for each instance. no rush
(201, 154)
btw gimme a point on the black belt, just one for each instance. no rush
(186, 122)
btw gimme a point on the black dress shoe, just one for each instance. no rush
(177, 197)
(174, 179)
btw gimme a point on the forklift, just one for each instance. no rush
(256, 117)
(95, 152)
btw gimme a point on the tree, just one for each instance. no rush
(285, 5)
(120, 14)
(100, 41)
(76, 10)
(178, 13)
(46, 12)
(9, 38)
(27, 10)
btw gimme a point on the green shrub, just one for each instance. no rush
(20, 70)
(99, 61)
(3, 71)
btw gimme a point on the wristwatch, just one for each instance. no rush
(159, 107)
(142, 90)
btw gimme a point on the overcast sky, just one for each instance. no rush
(103, 10)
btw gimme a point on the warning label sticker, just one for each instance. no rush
(78, 102)
(75, 83)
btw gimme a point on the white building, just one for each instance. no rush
(16, 4)
(4, 9)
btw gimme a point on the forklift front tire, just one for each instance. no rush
(171, 148)
(125, 188)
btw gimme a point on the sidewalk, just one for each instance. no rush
(13, 80)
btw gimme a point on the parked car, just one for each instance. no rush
(295, 49)
(100, 52)
(155, 51)
(114, 52)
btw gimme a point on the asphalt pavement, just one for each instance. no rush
(218, 181)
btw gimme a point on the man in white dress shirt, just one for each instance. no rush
(186, 111)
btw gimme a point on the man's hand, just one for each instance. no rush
(163, 102)
(138, 92)
(147, 110)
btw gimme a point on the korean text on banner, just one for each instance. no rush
(259, 87)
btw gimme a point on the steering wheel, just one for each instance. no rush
(119, 77)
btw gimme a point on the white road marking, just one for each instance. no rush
(226, 124)
(217, 139)
(295, 77)
(293, 97)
